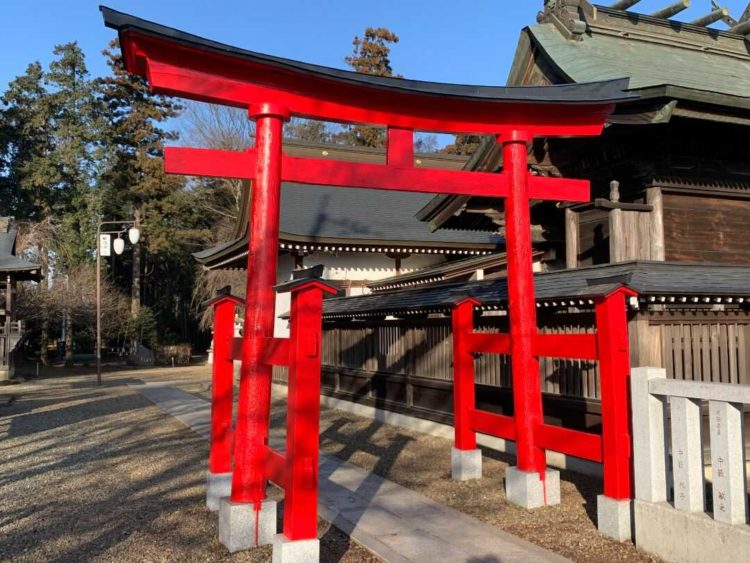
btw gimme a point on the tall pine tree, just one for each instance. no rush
(133, 182)
(25, 146)
(371, 56)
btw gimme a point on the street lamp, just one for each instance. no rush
(119, 244)
(134, 235)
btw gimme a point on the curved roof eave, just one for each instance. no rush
(602, 92)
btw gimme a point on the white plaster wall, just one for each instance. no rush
(369, 267)
(283, 300)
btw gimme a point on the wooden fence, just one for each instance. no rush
(707, 351)
(424, 348)
(697, 347)
(8, 344)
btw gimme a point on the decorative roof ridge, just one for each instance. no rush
(670, 180)
(576, 19)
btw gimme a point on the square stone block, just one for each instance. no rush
(466, 464)
(297, 551)
(218, 486)
(613, 518)
(525, 488)
(237, 524)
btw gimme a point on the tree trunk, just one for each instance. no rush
(135, 288)
(44, 337)
(68, 339)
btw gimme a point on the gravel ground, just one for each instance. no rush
(102, 474)
(422, 463)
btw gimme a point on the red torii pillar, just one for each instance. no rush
(219, 478)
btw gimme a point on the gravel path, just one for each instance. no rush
(102, 474)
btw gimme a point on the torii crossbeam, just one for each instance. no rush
(272, 90)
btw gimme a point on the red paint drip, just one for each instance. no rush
(256, 508)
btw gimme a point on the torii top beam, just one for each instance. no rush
(185, 65)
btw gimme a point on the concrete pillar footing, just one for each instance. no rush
(238, 523)
(614, 518)
(526, 488)
(466, 464)
(295, 551)
(218, 486)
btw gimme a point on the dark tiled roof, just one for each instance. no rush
(325, 212)
(322, 213)
(9, 262)
(646, 278)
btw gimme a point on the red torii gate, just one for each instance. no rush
(273, 90)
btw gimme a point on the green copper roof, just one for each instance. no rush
(601, 56)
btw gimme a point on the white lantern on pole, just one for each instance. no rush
(119, 245)
(134, 235)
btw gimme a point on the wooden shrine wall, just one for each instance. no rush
(700, 228)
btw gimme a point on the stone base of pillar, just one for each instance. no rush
(298, 551)
(466, 464)
(614, 518)
(238, 523)
(218, 486)
(526, 488)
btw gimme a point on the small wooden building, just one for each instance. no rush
(12, 270)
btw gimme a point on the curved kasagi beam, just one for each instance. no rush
(185, 65)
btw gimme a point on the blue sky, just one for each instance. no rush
(442, 40)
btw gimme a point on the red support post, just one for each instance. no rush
(527, 395)
(463, 375)
(253, 414)
(303, 410)
(220, 452)
(614, 374)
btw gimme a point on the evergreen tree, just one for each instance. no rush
(133, 182)
(71, 169)
(463, 145)
(74, 114)
(25, 145)
(307, 131)
(372, 52)
(371, 56)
